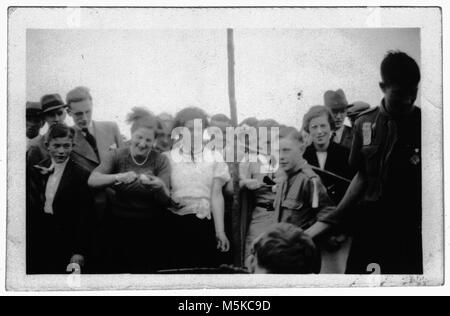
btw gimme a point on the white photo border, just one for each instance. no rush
(427, 19)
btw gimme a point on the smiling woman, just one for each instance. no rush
(140, 178)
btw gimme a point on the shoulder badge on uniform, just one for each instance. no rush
(315, 198)
(367, 133)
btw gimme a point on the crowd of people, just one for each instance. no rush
(342, 193)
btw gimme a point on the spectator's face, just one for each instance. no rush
(142, 141)
(291, 153)
(339, 117)
(34, 125)
(164, 139)
(60, 149)
(320, 130)
(57, 116)
(399, 100)
(81, 113)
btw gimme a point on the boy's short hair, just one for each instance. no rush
(315, 112)
(59, 130)
(398, 68)
(78, 94)
(293, 134)
(286, 249)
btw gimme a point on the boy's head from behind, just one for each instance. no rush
(292, 147)
(59, 142)
(400, 76)
(284, 249)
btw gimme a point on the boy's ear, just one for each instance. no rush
(252, 263)
(302, 148)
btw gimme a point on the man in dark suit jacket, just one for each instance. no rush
(336, 102)
(93, 140)
(58, 205)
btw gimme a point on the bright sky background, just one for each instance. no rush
(166, 70)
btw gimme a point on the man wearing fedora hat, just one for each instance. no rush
(34, 121)
(53, 111)
(337, 103)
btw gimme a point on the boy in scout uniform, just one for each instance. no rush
(386, 152)
(301, 199)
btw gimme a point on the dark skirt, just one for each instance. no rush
(136, 245)
(193, 243)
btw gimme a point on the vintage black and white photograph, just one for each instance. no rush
(162, 148)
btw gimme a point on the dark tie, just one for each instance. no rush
(91, 140)
(334, 137)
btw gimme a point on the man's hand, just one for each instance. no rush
(336, 242)
(253, 184)
(280, 177)
(77, 259)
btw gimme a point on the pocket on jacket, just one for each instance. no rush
(291, 204)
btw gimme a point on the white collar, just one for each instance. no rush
(347, 122)
(59, 166)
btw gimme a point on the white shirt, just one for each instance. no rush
(339, 132)
(322, 158)
(192, 182)
(53, 185)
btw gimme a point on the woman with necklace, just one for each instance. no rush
(140, 178)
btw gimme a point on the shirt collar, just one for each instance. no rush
(90, 127)
(59, 166)
(347, 122)
(299, 169)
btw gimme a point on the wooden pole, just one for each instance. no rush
(237, 238)
(231, 75)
